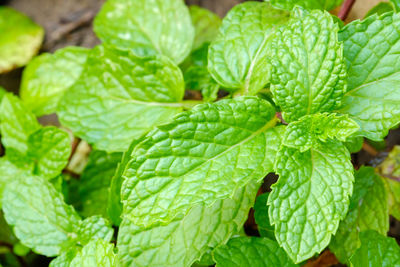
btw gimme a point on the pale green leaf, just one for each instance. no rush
(95, 182)
(97, 253)
(380, 8)
(372, 53)
(261, 217)
(376, 250)
(310, 197)
(309, 4)
(20, 39)
(186, 238)
(120, 97)
(16, 123)
(39, 215)
(206, 25)
(201, 156)
(251, 251)
(48, 76)
(8, 173)
(49, 148)
(198, 78)
(368, 210)
(308, 68)
(310, 130)
(148, 27)
(95, 227)
(237, 59)
(65, 259)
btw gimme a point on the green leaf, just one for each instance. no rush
(186, 238)
(354, 143)
(49, 148)
(2, 93)
(376, 250)
(148, 27)
(390, 167)
(373, 67)
(310, 197)
(380, 9)
(95, 227)
(393, 189)
(261, 217)
(47, 77)
(198, 57)
(65, 259)
(251, 251)
(368, 210)
(120, 97)
(8, 173)
(96, 253)
(6, 233)
(308, 69)
(310, 130)
(20, 39)
(114, 206)
(16, 123)
(41, 219)
(198, 78)
(206, 25)
(309, 4)
(201, 156)
(237, 59)
(95, 182)
(396, 4)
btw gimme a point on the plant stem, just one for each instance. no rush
(345, 9)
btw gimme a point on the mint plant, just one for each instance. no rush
(177, 177)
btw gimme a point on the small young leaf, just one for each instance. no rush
(251, 251)
(354, 143)
(95, 182)
(198, 78)
(20, 39)
(261, 217)
(368, 210)
(120, 97)
(309, 4)
(49, 148)
(47, 77)
(203, 155)
(95, 227)
(237, 58)
(310, 130)
(310, 197)
(206, 25)
(41, 219)
(16, 123)
(376, 250)
(186, 238)
(148, 27)
(96, 253)
(308, 69)
(373, 65)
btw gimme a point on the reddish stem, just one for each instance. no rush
(345, 9)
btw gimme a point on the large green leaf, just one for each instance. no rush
(261, 217)
(368, 210)
(373, 65)
(96, 253)
(206, 25)
(16, 123)
(49, 148)
(95, 182)
(313, 129)
(251, 251)
(121, 96)
(186, 238)
(203, 155)
(310, 197)
(41, 219)
(376, 250)
(309, 4)
(8, 173)
(308, 69)
(237, 59)
(20, 39)
(47, 77)
(95, 227)
(148, 27)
